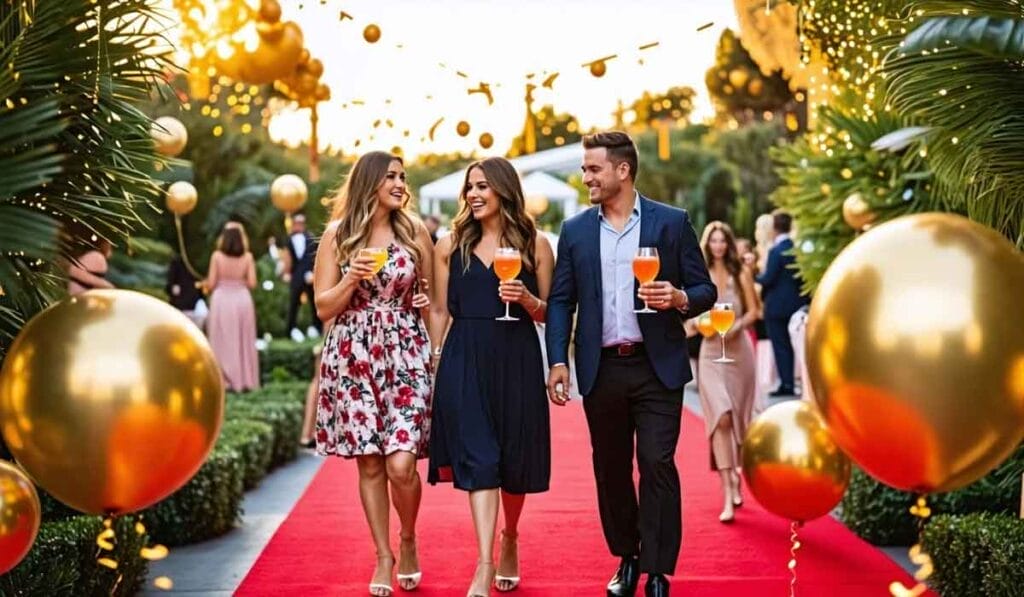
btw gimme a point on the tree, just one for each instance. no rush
(738, 88)
(551, 129)
(674, 104)
(74, 149)
(747, 149)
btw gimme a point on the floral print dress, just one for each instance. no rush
(375, 377)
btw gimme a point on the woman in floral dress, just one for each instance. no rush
(375, 377)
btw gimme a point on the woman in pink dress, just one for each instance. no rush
(728, 390)
(231, 324)
(370, 279)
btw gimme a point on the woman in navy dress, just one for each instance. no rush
(490, 429)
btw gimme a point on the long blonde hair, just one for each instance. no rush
(356, 203)
(517, 227)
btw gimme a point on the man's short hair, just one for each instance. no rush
(782, 222)
(620, 146)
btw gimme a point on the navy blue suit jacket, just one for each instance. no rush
(780, 284)
(577, 283)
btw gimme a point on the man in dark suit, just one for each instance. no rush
(299, 273)
(780, 290)
(631, 368)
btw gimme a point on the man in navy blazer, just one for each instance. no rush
(631, 368)
(780, 290)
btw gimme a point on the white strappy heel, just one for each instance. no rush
(415, 577)
(378, 586)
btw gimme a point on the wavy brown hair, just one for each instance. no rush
(356, 203)
(517, 227)
(731, 259)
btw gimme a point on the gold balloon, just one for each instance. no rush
(181, 198)
(315, 68)
(371, 33)
(915, 351)
(270, 11)
(323, 92)
(462, 128)
(792, 465)
(536, 205)
(738, 77)
(20, 515)
(599, 68)
(857, 212)
(111, 400)
(169, 134)
(486, 140)
(270, 60)
(288, 193)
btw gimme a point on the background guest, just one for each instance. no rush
(231, 325)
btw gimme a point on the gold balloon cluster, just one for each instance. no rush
(303, 84)
(288, 193)
(915, 351)
(792, 465)
(264, 49)
(20, 515)
(111, 400)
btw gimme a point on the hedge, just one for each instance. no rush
(976, 554)
(282, 413)
(881, 515)
(207, 506)
(271, 302)
(63, 561)
(285, 359)
(255, 441)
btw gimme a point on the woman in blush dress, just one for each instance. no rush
(728, 390)
(231, 324)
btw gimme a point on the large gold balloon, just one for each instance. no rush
(169, 135)
(857, 212)
(792, 465)
(111, 400)
(181, 198)
(288, 193)
(915, 351)
(20, 514)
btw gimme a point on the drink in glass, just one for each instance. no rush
(379, 255)
(507, 265)
(704, 325)
(722, 318)
(645, 267)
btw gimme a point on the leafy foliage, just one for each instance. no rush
(737, 86)
(74, 149)
(977, 554)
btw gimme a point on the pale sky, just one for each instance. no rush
(499, 42)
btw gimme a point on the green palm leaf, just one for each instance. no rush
(1002, 39)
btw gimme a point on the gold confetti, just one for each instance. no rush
(706, 26)
(157, 552)
(107, 562)
(164, 583)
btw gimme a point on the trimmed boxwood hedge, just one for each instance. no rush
(285, 358)
(881, 515)
(63, 561)
(207, 506)
(976, 554)
(255, 441)
(282, 413)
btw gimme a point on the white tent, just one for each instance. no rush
(533, 169)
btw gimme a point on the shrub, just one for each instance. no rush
(881, 515)
(271, 299)
(282, 413)
(255, 441)
(207, 506)
(63, 561)
(976, 554)
(296, 359)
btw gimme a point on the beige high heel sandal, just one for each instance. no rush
(513, 581)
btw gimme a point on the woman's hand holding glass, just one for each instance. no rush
(514, 291)
(361, 267)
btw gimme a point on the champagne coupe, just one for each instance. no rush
(645, 267)
(722, 318)
(507, 264)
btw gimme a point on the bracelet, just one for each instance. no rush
(537, 308)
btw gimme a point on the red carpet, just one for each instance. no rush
(324, 548)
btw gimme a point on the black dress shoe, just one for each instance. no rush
(782, 391)
(657, 586)
(626, 578)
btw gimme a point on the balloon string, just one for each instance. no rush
(917, 554)
(181, 249)
(794, 546)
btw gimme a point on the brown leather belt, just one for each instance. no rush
(626, 349)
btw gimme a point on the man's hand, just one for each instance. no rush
(558, 385)
(662, 295)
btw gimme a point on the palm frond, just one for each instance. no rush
(1002, 39)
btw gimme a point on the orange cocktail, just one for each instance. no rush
(507, 265)
(645, 267)
(722, 318)
(379, 255)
